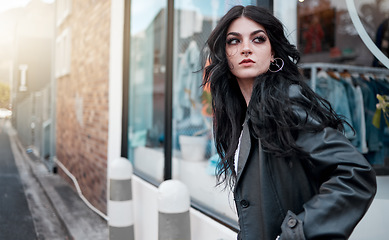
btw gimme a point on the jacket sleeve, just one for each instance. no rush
(347, 185)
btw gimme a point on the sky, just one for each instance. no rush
(8, 4)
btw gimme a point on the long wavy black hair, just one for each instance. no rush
(271, 110)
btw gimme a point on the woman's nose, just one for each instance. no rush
(246, 51)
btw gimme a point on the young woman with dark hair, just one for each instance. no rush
(293, 173)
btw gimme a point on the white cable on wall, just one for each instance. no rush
(363, 34)
(74, 179)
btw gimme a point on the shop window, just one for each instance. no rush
(147, 71)
(147, 98)
(342, 66)
(194, 155)
(323, 32)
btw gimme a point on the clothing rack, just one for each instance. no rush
(340, 67)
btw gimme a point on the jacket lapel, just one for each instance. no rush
(245, 146)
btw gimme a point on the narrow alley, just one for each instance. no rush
(25, 211)
(28, 194)
(16, 221)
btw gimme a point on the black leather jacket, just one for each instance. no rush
(322, 198)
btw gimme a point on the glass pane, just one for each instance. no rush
(147, 87)
(194, 155)
(326, 32)
(354, 77)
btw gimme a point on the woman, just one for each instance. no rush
(293, 173)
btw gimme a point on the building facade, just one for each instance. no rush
(127, 85)
(82, 83)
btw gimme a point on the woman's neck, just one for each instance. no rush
(246, 87)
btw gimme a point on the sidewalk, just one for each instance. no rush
(80, 222)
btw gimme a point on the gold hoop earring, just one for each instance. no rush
(278, 63)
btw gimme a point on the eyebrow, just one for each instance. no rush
(251, 34)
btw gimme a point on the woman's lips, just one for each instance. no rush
(246, 61)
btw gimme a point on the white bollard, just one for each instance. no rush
(173, 207)
(120, 205)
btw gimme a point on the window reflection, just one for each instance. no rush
(194, 153)
(327, 34)
(147, 87)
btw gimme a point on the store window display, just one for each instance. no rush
(194, 157)
(327, 34)
(323, 32)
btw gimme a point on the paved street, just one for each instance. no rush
(25, 212)
(15, 217)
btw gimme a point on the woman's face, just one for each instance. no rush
(248, 49)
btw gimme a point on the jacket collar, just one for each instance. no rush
(245, 146)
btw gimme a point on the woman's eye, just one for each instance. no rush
(259, 39)
(232, 41)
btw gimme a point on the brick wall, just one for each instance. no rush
(82, 99)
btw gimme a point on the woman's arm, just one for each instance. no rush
(348, 186)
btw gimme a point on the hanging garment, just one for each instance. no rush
(333, 91)
(354, 110)
(369, 103)
(189, 89)
(362, 147)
